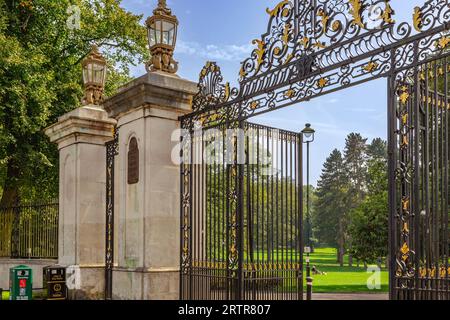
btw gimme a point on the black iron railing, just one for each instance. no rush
(29, 231)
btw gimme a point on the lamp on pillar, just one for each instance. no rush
(162, 37)
(94, 77)
(308, 137)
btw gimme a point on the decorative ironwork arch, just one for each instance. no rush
(315, 47)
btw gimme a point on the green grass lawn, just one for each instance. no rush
(341, 279)
(337, 279)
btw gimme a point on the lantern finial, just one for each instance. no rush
(162, 35)
(94, 76)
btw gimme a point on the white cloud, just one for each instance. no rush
(214, 52)
(332, 101)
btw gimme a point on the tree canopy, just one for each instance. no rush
(350, 207)
(40, 79)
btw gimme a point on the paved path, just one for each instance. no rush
(350, 296)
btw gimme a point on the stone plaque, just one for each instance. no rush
(133, 162)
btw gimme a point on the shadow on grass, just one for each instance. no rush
(348, 288)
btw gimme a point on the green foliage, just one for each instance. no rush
(346, 208)
(369, 221)
(377, 149)
(40, 79)
(329, 207)
(369, 229)
(355, 166)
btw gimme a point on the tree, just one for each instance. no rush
(377, 150)
(356, 172)
(40, 79)
(369, 221)
(355, 166)
(329, 207)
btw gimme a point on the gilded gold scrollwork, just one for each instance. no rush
(417, 19)
(356, 12)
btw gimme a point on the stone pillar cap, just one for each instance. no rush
(88, 124)
(156, 89)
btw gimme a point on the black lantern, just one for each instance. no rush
(308, 133)
(94, 76)
(162, 37)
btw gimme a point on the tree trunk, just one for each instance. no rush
(341, 256)
(10, 194)
(341, 244)
(350, 260)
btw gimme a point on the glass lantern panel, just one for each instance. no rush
(85, 75)
(89, 73)
(165, 38)
(158, 31)
(98, 74)
(168, 32)
(152, 35)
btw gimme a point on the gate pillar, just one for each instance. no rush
(81, 136)
(147, 186)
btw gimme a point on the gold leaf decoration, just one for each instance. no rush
(324, 20)
(305, 42)
(433, 272)
(336, 25)
(260, 52)
(422, 76)
(275, 11)
(405, 204)
(405, 119)
(387, 14)
(290, 93)
(371, 66)
(405, 228)
(443, 42)
(404, 249)
(254, 105)
(242, 73)
(322, 83)
(423, 272)
(227, 91)
(405, 142)
(417, 19)
(404, 96)
(289, 58)
(286, 33)
(356, 12)
(320, 45)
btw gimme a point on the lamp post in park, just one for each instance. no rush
(308, 137)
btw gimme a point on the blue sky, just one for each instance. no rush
(222, 31)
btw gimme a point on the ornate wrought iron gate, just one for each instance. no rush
(311, 48)
(420, 161)
(242, 214)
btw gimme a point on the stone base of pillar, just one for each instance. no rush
(146, 285)
(92, 284)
